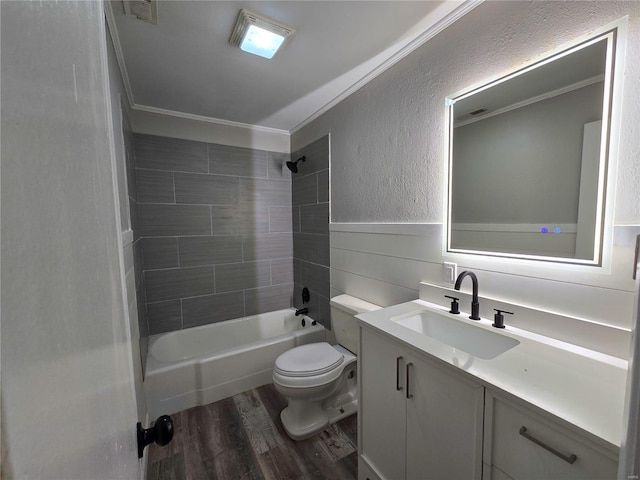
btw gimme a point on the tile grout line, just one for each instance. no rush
(181, 316)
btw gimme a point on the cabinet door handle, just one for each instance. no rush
(567, 458)
(398, 386)
(409, 394)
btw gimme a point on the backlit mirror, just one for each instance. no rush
(528, 159)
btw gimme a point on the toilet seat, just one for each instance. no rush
(308, 360)
(308, 365)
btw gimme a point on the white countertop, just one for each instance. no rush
(581, 386)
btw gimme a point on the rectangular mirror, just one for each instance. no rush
(528, 159)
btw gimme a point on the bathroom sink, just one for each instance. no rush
(456, 333)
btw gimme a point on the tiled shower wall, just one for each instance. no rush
(311, 228)
(216, 231)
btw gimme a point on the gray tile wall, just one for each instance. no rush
(216, 227)
(310, 197)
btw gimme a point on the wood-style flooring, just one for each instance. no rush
(241, 437)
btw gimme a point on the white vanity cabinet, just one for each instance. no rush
(522, 444)
(417, 419)
(422, 419)
(434, 405)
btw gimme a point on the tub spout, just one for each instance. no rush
(302, 311)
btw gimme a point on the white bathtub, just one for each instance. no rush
(200, 365)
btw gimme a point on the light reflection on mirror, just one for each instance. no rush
(527, 166)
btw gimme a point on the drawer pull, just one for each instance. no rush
(409, 395)
(569, 459)
(398, 386)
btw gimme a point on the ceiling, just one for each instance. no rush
(185, 66)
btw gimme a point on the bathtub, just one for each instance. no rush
(200, 365)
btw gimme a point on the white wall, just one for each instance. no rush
(118, 100)
(67, 400)
(123, 149)
(387, 163)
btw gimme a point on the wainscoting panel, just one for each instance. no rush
(384, 264)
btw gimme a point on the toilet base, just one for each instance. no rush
(337, 414)
(311, 409)
(299, 431)
(302, 420)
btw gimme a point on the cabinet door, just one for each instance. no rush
(444, 423)
(382, 406)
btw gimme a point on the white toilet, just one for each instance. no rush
(318, 379)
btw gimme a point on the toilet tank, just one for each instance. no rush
(344, 309)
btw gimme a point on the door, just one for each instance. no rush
(382, 404)
(444, 423)
(629, 467)
(68, 408)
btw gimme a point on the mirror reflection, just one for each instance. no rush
(528, 161)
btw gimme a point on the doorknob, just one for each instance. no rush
(160, 432)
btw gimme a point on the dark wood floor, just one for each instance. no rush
(241, 437)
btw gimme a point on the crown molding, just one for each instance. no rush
(420, 40)
(431, 32)
(202, 118)
(532, 100)
(111, 23)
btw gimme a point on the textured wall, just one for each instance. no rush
(388, 138)
(310, 197)
(216, 227)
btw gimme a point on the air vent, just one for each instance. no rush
(259, 35)
(470, 117)
(145, 10)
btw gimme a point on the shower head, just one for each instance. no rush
(293, 166)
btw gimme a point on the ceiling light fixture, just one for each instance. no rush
(259, 35)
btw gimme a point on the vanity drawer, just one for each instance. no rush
(526, 446)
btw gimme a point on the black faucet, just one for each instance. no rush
(475, 305)
(302, 311)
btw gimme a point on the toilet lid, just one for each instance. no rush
(307, 360)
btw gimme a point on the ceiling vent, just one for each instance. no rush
(470, 117)
(480, 111)
(146, 10)
(259, 35)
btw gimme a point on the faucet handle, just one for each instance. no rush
(455, 306)
(498, 318)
